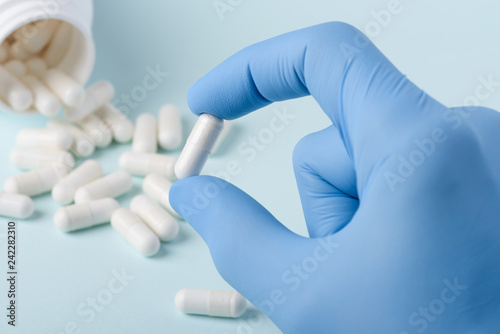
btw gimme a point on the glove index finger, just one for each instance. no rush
(263, 73)
(373, 105)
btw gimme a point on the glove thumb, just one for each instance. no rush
(246, 242)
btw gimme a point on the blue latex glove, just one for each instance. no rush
(401, 196)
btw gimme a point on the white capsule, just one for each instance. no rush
(111, 185)
(4, 52)
(199, 146)
(83, 146)
(97, 95)
(84, 215)
(35, 182)
(34, 158)
(121, 126)
(13, 91)
(145, 134)
(97, 130)
(64, 191)
(37, 66)
(15, 67)
(67, 89)
(16, 205)
(146, 163)
(58, 45)
(41, 32)
(169, 127)
(18, 50)
(132, 229)
(214, 303)
(158, 188)
(45, 138)
(159, 221)
(228, 125)
(45, 102)
(71, 93)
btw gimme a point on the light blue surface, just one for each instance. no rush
(443, 47)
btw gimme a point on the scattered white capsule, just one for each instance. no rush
(4, 52)
(214, 303)
(158, 187)
(97, 95)
(15, 67)
(45, 138)
(45, 102)
(34, 158)
(82, 146)
(169, 127)
(145, 134)
(146, 163)
(64, 191)
(58, 45)
(134, 231)
(13, 91)
(159, 221)
(79, 216)
(111, 185)
(71, 93)
(121, 126)
(199, 146)
(42, 34)
(97, 130)
(16, 205)
(35, 182)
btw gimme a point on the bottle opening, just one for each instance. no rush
(35, 48)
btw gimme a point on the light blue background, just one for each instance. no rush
(443, 46)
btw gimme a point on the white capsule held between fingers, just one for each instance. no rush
(33, 158)
(111, 185)
(96, 96)
(228, 125)
(158, 187)
(214, 303)
(85, 215)
(97, 130)
(199, 146)
(137, 163)
(13, 91)
(83, 146)
(58, 45)
(145, 134)
(44, 138)
(4, 52)
(16, 205)
(169, 127)
(45, 102)
(159, 221)
(121, 126)
(64, 191)
(42, 34)
(35, 182)
(134, 231)
(16, 67)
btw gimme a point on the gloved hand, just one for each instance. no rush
(401, 196)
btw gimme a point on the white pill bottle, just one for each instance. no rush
(79, 51)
